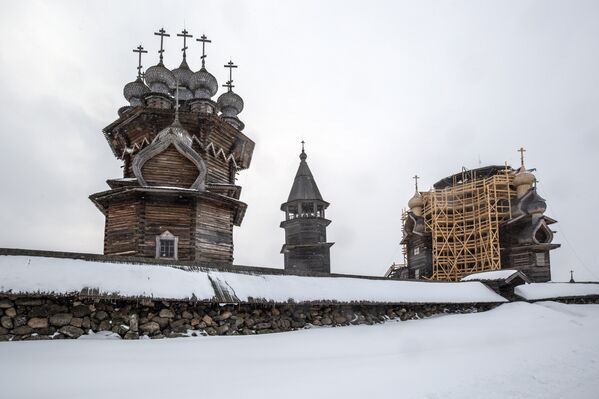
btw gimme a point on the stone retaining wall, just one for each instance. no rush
(28, 318)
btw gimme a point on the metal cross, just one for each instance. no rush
(522, 151)
(303, 142)
(416, 177)
(204, 40)
(184, 35)
(162, 33)
(139, 50)
(229, 84)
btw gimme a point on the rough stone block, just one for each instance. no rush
(71, 331)
(37, 322)
(61, 319)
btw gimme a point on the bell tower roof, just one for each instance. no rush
(304, 186)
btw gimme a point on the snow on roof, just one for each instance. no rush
(46, 275)
(538, 291)
(490, 276)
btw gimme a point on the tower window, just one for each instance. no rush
(167, 246)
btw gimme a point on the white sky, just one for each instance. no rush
(379, 91)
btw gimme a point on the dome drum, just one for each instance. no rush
(235, 122)
(203, 106)
(158, 100)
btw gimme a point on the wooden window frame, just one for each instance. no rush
(167, 236)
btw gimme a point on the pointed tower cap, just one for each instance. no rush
(304, 186)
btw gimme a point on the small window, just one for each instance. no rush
(417, 251)
(166, 246)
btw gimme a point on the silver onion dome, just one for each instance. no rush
(203, 84)
(230, 104)
(134, 91)
(183, 75)
(160, 79)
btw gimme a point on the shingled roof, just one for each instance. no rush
(304, 186)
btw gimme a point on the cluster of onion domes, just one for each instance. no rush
(201, 85)
(159, 79)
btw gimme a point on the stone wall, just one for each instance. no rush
(29, 318)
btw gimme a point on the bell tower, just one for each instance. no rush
(181, 152)
(306, 248)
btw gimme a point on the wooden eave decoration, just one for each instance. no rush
(102, 199)
(243, 147)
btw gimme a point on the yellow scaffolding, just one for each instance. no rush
(463, 220)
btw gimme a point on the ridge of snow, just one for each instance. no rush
(39, 275)
(550, 290)
(490, 276)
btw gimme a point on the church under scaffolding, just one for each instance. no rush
(474, 221)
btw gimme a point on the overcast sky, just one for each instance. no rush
(380, 90)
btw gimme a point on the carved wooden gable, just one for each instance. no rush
(170, 168)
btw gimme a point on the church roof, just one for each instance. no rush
(304, 186)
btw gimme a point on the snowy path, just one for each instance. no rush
(519, 350)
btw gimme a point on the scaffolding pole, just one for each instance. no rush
(464, 224)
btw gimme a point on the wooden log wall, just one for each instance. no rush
(170, 168)
(120, 232)
(173, 215)
(305, 231)
(214, 232)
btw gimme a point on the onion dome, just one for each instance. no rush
(523, 177)
(160, 79)
(416, 201)
(134, 91)
(203, 84)
(183, 75)
(230, 104)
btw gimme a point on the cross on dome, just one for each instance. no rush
(416, 177)
(162, 33)
(139, 50)
(184, 35)
(229, 84)
(522, 151)
(204, 40)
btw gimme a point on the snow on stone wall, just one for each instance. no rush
(538, 291)
(46, 275)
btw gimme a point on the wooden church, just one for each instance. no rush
(480, 220)
(181, 151)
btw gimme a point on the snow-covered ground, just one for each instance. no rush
(518, 350)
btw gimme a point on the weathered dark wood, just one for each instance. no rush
(202, 221)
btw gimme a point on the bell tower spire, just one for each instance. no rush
(306, 248)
